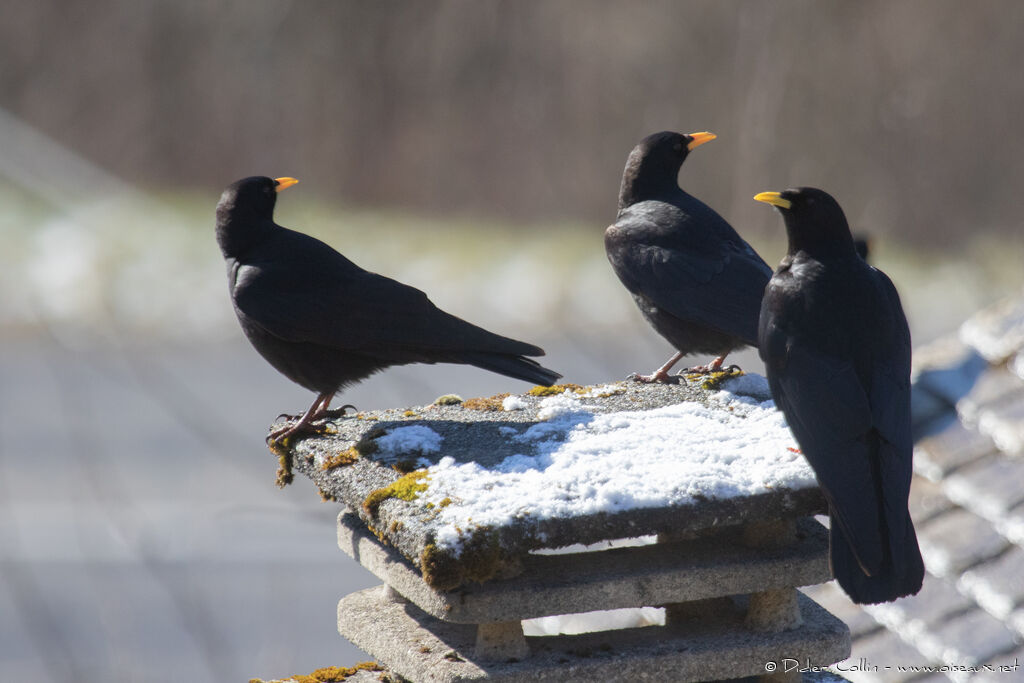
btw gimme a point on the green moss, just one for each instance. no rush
(448, 400)
(481, 559)
(556, 389)
(404, 466)
(367, 445)
(490, 404)
(340, 459)
(405, 488)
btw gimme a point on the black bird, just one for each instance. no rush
(695, 280)
(862, 245)
(326, 323)
(836, 347)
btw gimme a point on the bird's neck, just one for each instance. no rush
(636, 190)
(237, 236)
(822, 243)
(644, 180)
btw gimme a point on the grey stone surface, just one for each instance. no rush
(474, 435)
(639, 576)
(773, 610)
(424, 649)
(832, 598)
(989, 487)
(998, 584)
(957, 539)
(954, 446)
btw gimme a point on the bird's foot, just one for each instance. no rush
(713, 366)
(281, 435)
(657, 377)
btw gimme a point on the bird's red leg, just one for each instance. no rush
(661, 374)
(305, 422)
(713, 366)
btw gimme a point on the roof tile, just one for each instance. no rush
(956, 540)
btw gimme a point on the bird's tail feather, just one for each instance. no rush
(512, 366)
(901, 574)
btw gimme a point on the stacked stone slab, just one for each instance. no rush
(731, 609)
(726, 572)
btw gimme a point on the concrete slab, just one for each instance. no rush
(413, 644)
(481, 437)
(641, 576)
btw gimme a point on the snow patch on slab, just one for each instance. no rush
(579, 462)
(514, 403)
(416, 439)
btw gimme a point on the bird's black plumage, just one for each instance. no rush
(694, 279)
(836, 348)
(326, 323)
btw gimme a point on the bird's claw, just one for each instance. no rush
(339, 412)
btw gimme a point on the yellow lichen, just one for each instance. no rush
(284, 462)
(713, 381)
(346, 457)
(409, 413)
(556, 389)
(448, 400)
(405, 488)
(335, 674)
(491, 404)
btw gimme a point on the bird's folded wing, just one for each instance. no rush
(368, 313)
(830, 415)
(719, 284)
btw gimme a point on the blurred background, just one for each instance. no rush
(472, 149)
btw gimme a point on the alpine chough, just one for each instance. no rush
(694, 279)
(836, 347)
(326, 323)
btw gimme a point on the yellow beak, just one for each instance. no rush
(699, 139)
(773, 198)
(284, 183)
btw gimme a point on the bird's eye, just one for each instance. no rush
(677, 148)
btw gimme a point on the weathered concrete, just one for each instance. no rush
(475, 435)
(650, 575)
(423, 649)
(499, 642)
(773, 610)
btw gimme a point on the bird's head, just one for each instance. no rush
(814, 220)
(653, 166)
(246, 209)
